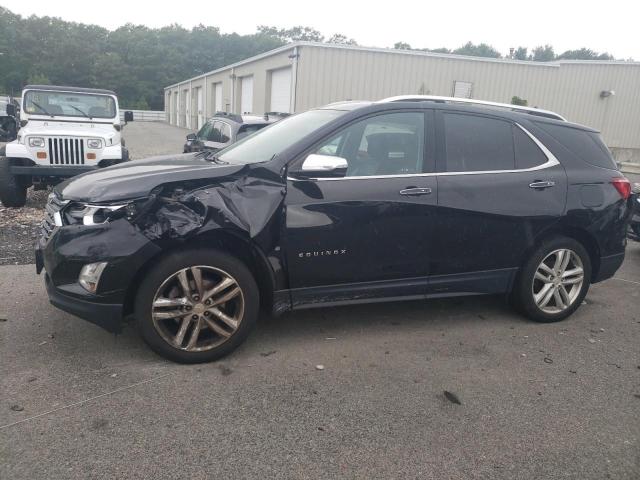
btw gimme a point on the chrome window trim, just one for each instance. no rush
(552, 161)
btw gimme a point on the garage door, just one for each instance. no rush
(246, 100)
(281, 90)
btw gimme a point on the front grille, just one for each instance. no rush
(51, 211)
(66, 151)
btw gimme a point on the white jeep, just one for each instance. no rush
(64, 131)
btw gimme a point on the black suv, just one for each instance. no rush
(223, 129)
(408, 198)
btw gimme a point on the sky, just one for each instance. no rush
(609, 26)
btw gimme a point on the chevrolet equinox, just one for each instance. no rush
(406, 198)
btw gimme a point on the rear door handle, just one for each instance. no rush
(416, 191)
(542, 184)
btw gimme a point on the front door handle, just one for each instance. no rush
(539, 184)
(416, 191)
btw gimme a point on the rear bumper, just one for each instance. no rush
(105, 315)
(608, 267)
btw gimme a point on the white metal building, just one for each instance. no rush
(302, 75)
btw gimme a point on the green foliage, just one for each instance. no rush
(135, 61)
(480, 50)
(402, 46)
(584, 54)
(38, 79)
(515, 100)
(341, 39)
(543, 54)
(293, 34)
(521, 53)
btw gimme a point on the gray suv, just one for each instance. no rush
(223, 129)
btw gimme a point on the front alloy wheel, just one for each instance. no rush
(558, 281)
(198, 308)
(196, 305)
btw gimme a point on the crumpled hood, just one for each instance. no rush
(137, 178)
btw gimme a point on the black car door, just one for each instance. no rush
(498, 188)
(367, 234)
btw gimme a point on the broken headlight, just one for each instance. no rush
(89, 214)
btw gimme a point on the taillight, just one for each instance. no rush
(623, 186)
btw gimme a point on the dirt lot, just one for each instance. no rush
(19, 227)
(536, 401)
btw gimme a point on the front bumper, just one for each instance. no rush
(105, 315)
(64, 252)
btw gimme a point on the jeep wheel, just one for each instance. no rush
(12, 192)
(554, 281)
(196, 306)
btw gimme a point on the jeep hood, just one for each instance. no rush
(138, 178)
(53, 128)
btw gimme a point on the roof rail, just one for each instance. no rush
(231, 116)
(469, 101)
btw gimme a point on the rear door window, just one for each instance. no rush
(475, 143)
(584, 144)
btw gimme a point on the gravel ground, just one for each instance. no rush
(19, 227)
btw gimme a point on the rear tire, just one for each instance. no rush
(554, 280)
(12, 192)
(169, 315)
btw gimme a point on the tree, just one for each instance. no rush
(341, 39)
(520, 53)
(584, 54)
(515, 100)
(438, 50)
(480, 50)
(543, 54)
(401, 46)
(293, 34)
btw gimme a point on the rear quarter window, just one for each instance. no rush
(588, 146)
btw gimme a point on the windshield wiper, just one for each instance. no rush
(41, 108)
(77, 109)
(212, 157)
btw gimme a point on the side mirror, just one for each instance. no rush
(191, 137)
(11, 110)
(323, 166)
(128, 116)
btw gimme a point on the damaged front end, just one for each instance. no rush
(91, 228)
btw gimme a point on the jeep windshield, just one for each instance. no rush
(268, 142)
(69, 104)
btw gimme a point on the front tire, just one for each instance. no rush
(197, 306)
(554, 280)
(12, 192)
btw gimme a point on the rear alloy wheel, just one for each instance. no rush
(558, 281)
(554, 281)
(197, 306)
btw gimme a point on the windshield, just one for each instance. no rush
(69, 104)
(270, 141)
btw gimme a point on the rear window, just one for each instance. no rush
(586, 145)
(247, 130)
(475, 143)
